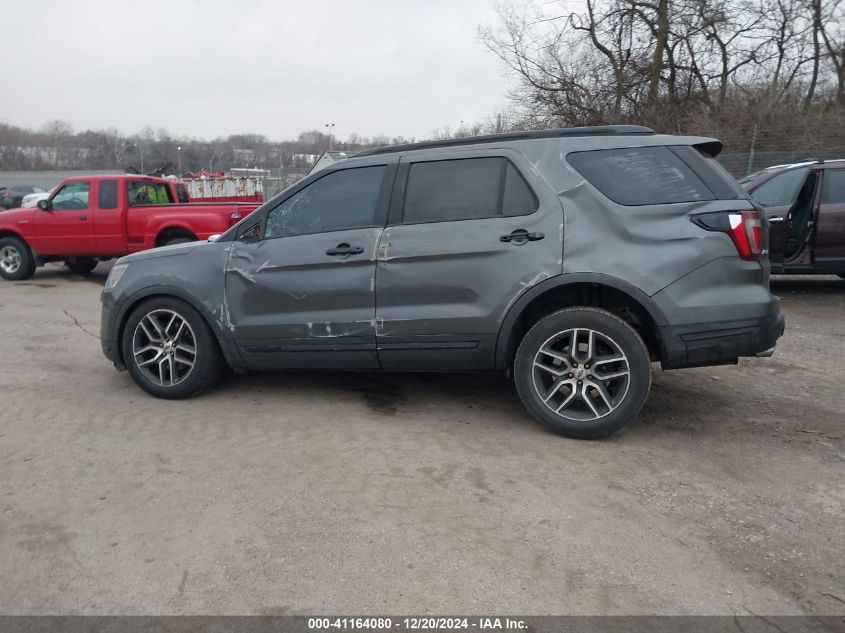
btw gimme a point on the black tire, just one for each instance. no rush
(16, 259)
(81, 265)
(178, 240)
(600, 416)
(208, 363)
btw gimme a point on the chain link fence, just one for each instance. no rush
(743, 164)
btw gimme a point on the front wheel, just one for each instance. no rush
(582, 372)
(169, 349)
(16, 259)
(81, 265)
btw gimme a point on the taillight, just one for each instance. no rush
(745, 229)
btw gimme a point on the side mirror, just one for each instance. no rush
(44, 205)
(215, 237)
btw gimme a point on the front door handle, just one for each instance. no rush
(83, 217)
(344, 250)
(776, 219)
(520, 236)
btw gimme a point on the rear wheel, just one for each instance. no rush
(582, 372)
(170, 350)
(16, 259)
(81, 265)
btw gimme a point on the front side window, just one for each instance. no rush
(71, 197)
(339, 201)
(640, 175)
(833, 190)
(466, 189)
(146, 192)
(782, 190)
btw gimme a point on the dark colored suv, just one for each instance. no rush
(572, 258)
(804, 204)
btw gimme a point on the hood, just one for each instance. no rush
(163, 251)
(13, 216)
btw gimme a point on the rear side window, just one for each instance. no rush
(833, 190)
(640, 175)
(466, 189)
(107, 194)
(781, 190)
(147, 192)
(182, 194)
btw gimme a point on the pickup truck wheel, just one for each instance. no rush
(16, 259)
(582, 372)
(169, 349)
(81, 265)
(177, 240)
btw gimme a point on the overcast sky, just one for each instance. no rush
(213, 68)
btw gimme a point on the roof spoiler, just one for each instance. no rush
(712, 147)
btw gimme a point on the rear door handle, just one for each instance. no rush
(83, 217)
(344, 250)
(776, 219)
(520, 236)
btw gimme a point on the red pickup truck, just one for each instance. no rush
(93, 218)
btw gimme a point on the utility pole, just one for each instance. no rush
(330, 126)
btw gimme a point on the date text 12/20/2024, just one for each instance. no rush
(416, 624)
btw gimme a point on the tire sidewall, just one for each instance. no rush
(208, 365)
(601, 321)
(27, 267)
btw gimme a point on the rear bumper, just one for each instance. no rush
(721, 342)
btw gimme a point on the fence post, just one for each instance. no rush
(751, 151)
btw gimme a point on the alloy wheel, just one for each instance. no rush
(164, 347)
(581, 374)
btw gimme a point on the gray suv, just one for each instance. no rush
(571, 258)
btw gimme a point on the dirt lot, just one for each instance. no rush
(367, 493)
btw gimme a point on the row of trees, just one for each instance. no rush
(727, 68)
(55, 145)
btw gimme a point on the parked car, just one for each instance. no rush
(11, 197)
(804, 205)
(87, 219)
(570, 258)
(31, 199)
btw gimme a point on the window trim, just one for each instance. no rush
(379, 217)
(397, 206)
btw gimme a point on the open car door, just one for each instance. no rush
(788, 199)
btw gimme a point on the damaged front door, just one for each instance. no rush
(300, 282)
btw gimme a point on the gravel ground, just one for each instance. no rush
(367, 493)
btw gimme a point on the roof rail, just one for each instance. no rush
(594, 130)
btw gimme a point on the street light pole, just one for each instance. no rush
(179, 159)
(330, 126)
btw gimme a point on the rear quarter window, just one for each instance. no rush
(641, 175)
